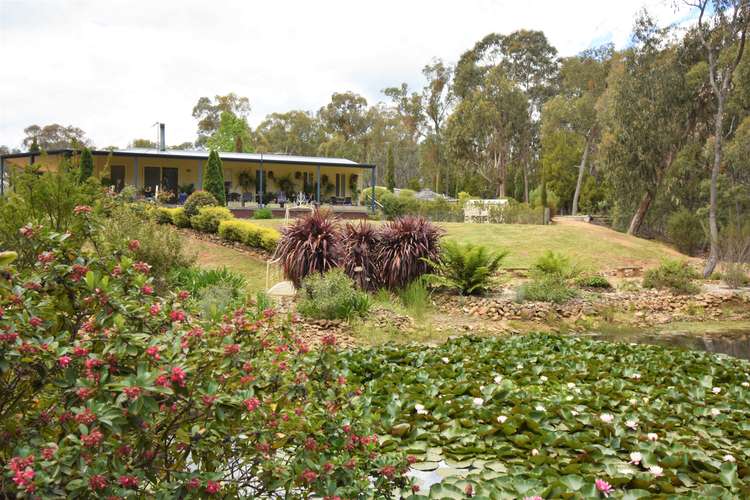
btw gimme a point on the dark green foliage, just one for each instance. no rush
(465, 267)
(685, 230)
(311, 244)
(359, 261)
(390, 171)
(34, 148)
(674, 275)
(405, 249)
(593, 281)
(554, 264)
(86, 166)
(332, 295)
(197, 200)
(397, 206)
(214, 180)
(550, 276)
(263, 213)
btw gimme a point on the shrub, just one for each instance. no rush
(359, 254)
(406, 247)
(179, 217)
(263, 213)
(735, 275)
(545, 289)
(208, 218)
(331, 296)
(194, 279)
(243, 231)
(366, 193)
(674, 275)
(166, 215)
(554, 264)
(593, 281)
(130, 394)
(86, 165)
(415, 297)
(394, 206)
(214, 182)
(466, 267)
(197, 200)
(735, 252)
(516, 213)
(685, 231)
(311, 244)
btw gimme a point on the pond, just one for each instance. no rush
(721, 339)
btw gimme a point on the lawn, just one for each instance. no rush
(592, 247)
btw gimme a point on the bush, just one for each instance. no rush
(198, 200)
(359, 262)
(545, 289)
(396, 206)
(132, 395)
(179, 217)
(243, 231)
(213, 291)
(735, 275)
(415, 297)
(593, 281)
(467, 268)
(166, 215)
(674, 275)
(208, 218)
(263, 213)
(554, 264)
(332, 296)
(214, 182)
(406, 247)
(311, 244)
(516, 213)
(685, 231)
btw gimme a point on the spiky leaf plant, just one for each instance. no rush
(359, 261)
(312, 244)
(467, 268)
(406, 247)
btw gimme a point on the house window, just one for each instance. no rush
(340, 185)
(117, 177)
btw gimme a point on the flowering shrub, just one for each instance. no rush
(107, 389)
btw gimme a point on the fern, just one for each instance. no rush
(467, 268)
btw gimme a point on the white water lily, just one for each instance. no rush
(631, 424)
(498, 379)
(606, 418)
(519, 366)
(745, 384)
(652, 436)
(636, 376)
(715, 412)
(478, 401)
(574, 413)
(636, 457)
(534, 452)
(445, 360)
(729, 458)
(716, 390)
(420, 409)
(656, 470)
(571, 385)
(543, 378)
(501, 419)
(539, 408)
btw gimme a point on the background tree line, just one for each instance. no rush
(654, 135)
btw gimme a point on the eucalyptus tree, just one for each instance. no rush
(209, 112)
(722, 28)
(437, 100)
(294, 132)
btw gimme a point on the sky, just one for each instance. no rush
(115, 68)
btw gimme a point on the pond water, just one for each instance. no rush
(731, 342)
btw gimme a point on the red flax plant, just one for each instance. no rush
(405, 246)
(359, 262)
(312, 244)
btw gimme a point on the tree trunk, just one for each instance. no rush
(640, 214)
(713, 228)
(525, 183)
(581, 170)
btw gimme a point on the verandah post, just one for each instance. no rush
(372, 201)
(317, 183)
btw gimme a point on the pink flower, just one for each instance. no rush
(27, 231)
(97, 482)
(178, 376)
(147, 289)
(64, 361)
(177, 316)
(82, 209)
(35, 321)
(183, 295)
(251, 404)
(134, 245)
(142, 267)
(209, 400)
(533, 498)
(329, 339)
(212, 487)
(128, 481)
(155, 309)
(132, 392)
(153, 351)
(46, 257)
(193, 483)
(92, 439)
(604, 487)
(231, 349)
(309, 476)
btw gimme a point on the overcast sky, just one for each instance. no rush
(114, 68)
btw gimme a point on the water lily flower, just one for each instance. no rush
(715, 412)
(606, 418)
(539, 408)
(656, 470)
(571, 385)
(501, 419)
(519, 366)
(534, 452)
(420, 409)
(729, 458)
(652, 436)
(543, 378)
(445, 360)
(537, 497)
(631, 424)
(745, 384)
(478, 401)
(716, 390)
(636, 376)
(604, 487)
(498, 379)
(574, 413)
(636, 457)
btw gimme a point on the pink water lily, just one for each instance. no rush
(604, 487)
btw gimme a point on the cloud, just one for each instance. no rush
(114, 68)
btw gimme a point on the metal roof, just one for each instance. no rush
(224, 155)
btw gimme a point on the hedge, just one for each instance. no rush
(208, 218)
(250, 234)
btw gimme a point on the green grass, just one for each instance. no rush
(592, 248)
(211, 255)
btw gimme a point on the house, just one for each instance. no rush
(252, 179)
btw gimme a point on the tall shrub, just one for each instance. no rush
(466, 267)
(685, 230)
(359, 260)
(214, 183)
(390, 171)
(312, 244)
(86, 167)
(405, 248)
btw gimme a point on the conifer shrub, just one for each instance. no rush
(214, 182)
(197, 200)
